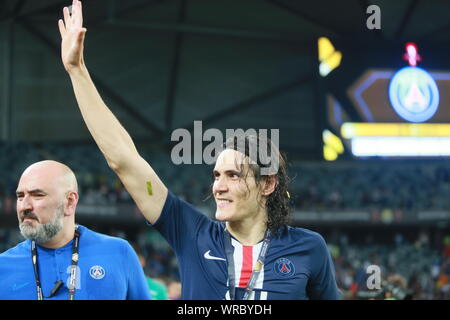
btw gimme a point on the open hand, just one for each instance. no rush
(72, 35)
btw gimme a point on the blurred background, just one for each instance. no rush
(359, 94)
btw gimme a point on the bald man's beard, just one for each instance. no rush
(43, 233)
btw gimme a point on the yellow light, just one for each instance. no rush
(329, 154)
(333, 141)
(326, 48)
(350, 130)
(332, 146)
(330, 58)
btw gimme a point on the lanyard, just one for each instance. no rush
(229, 249)
(73, 273)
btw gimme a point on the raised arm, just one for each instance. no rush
(114, 142)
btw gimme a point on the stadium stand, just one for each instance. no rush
(416, 266)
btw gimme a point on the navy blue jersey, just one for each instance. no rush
(297, 266)
(108, 268)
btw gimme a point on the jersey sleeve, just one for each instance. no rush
(137, 284)
(178, 222)
(323, 282)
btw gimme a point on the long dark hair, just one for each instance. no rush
(278, 203)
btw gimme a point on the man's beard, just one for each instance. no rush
(43, 233)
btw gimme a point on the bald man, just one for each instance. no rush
(60, 259)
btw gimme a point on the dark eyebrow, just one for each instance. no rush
(215, 172)
(236, 172)
(34, 191)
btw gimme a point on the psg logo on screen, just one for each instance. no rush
(413, 93)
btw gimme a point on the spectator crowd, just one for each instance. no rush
(411, 268)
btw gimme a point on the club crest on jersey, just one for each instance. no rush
(97, 272)
(284, 267)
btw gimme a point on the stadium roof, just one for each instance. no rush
(162, 64)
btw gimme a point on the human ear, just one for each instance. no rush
(270, 184)
(71, 202)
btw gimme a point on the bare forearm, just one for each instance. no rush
(112, 139)
(147, 190)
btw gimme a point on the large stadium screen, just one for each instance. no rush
(405, 113)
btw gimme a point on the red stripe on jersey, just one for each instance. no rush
(247, 265)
